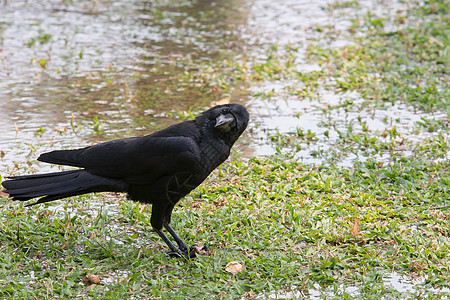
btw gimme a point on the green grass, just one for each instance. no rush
(410, 65)
(294, 226)
(291, 225)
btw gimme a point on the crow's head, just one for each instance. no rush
(228, 121)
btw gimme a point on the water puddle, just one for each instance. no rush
(296, 117)
(63, 83)
(393, 284)
(317, 125)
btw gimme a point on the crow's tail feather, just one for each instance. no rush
(57, 185)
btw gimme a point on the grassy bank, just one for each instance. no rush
(290, 225)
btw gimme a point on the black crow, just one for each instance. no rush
(160, 168)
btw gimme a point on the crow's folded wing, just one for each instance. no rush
(140, 160)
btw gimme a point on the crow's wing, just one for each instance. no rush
(139, 160)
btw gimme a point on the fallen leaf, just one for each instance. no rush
(91, 279)
(355, 229)
(234, 267)
(199, 249)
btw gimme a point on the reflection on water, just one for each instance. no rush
(108, 69)
(112, 67)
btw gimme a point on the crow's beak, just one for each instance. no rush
(223, 121)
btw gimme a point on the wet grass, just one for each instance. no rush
(289, 224)
(409, 65)
(294, 226)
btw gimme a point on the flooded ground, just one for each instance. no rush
(78, 72)
(82, 72)
(400, 287)
(104, 69)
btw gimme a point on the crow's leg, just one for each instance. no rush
(161, 215)
(157, 221)
(166, 223)
(167, 241)
(193, 250)
(181, 244)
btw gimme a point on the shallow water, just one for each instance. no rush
(89, 71)
(290, 115)
(394, 283)
(63, 83)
